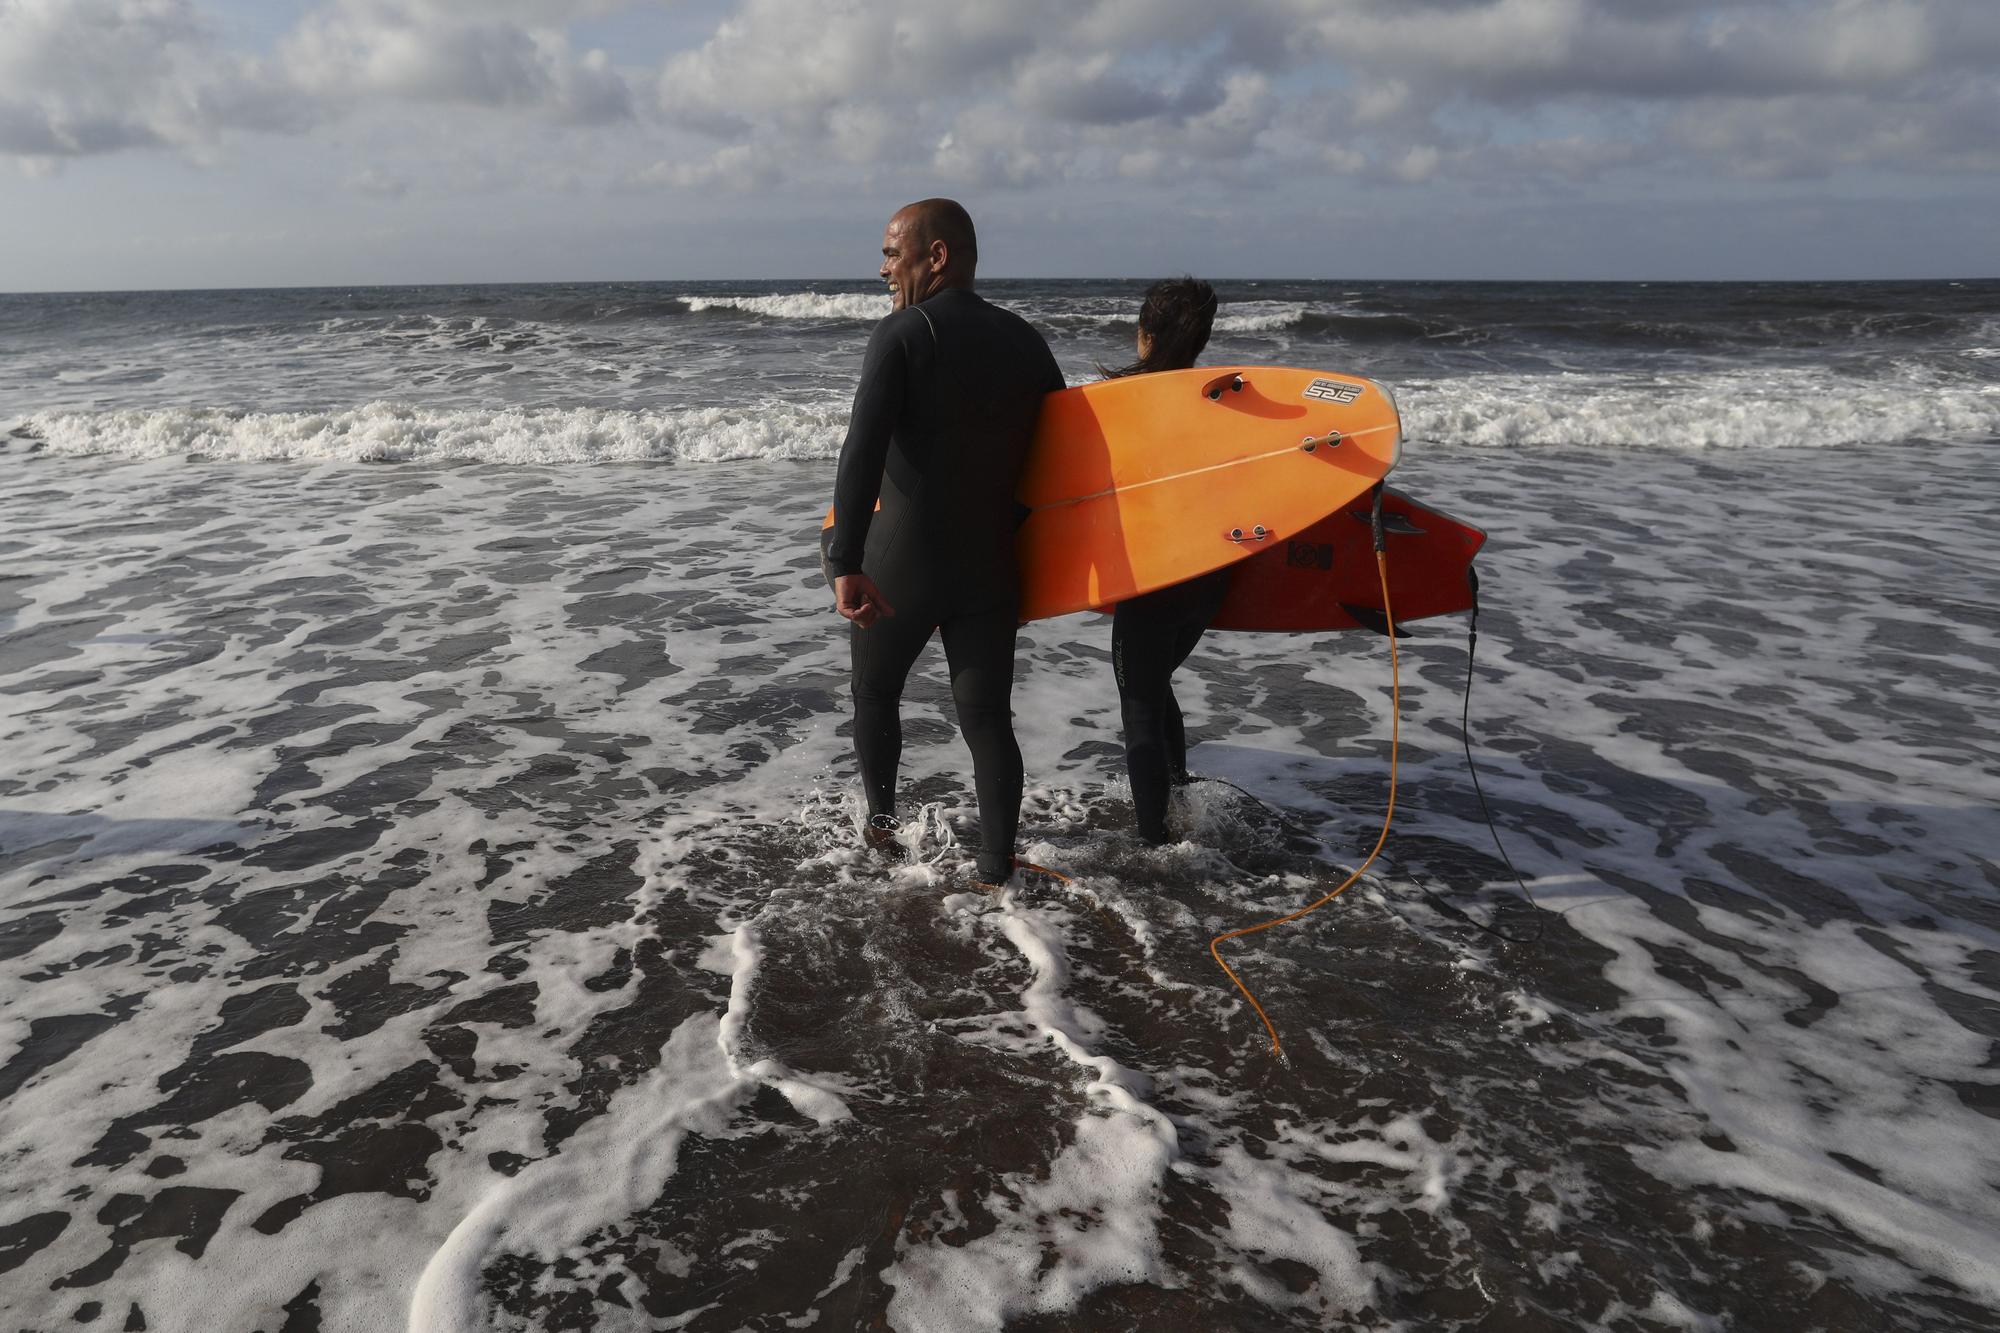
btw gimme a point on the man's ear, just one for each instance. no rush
(940, 256)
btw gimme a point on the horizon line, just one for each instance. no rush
(864, 282)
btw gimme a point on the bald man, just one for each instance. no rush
(950, 390)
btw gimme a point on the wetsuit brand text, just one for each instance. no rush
(1333, 391)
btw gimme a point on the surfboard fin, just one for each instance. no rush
(1394, 524)
(1369, 617)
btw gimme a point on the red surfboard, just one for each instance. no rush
(1324, 577)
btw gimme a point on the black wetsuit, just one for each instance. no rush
(1151, 635)
(949, 394)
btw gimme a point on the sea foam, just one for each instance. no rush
(1771, 410)
(1231, 317)
(1800, 410)
(858, 306)
(499, 895)
(1258, 316)
(382, 432)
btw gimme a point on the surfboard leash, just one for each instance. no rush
(1032, 868)
(1388, 815)
(1436, 894)
(988, 886)
(1465, 739)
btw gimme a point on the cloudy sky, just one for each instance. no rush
(179, 143)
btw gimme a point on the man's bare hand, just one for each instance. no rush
(856, 597)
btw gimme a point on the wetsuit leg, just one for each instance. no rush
(1140, 652)
(1201, 611)
(1150, 637)
(882, 656)
(980, 652)
(1176, 731)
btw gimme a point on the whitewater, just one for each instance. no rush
(431, 896)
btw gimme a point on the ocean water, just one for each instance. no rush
(431, 898)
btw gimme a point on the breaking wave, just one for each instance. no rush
(1672, 413)
(1258, 316)
(865, 307)
(385, 432)
(1804, 411)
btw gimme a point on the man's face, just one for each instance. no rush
(906, 266)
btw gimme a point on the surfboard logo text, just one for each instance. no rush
(1333, 391)
(1309, 555)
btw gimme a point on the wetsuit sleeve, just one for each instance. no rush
(878, 403)
(1052, 382)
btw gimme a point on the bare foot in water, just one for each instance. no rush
(879, 833)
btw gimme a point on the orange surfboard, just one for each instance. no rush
(1324, 577)
(1137, 483)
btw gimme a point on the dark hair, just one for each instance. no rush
(1176, 317)
(946, 220)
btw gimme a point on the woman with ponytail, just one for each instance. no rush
(1152, 634)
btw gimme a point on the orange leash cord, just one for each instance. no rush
(1395, 738)
(1031, 868)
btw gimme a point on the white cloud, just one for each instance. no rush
(1415, 164)
(81, 77)
(988, 146)
(513, 55)
(1536, 50)
(814, 94)
(782, 62)
(1011, 94)
(382, 184)
(1090, 90)
(1233, 126)
(738, 168)
(94, 76)
(859, 133)
(1404, 90)
(1792, 137)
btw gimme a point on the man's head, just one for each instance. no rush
(928, 246)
